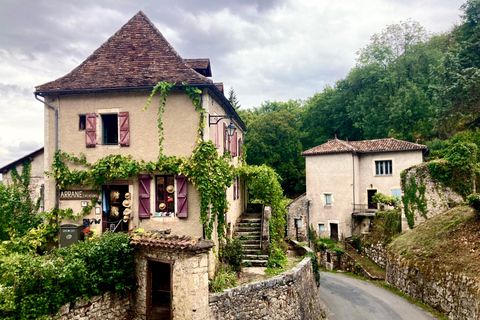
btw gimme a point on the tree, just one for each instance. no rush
(232, 97)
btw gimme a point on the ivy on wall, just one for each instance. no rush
(414, 196)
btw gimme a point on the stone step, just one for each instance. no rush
(256, 257)
(242, 239)
(250, 241)
(255, 263)
(248, 225)
(247, 229)
(247, 233)
(254, 252)
(251, 220)
(248, 246)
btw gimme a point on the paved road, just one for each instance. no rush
(352, 299)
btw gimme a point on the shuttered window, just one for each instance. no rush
(114, 126)
(234, 145)
(144, 196)
(225, 141)
(91, 130)
(124, 124)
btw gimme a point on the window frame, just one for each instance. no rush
(322, 224)
(383, 165)
(103, 116)
(328, 195)
(166, 212)
(82, 122)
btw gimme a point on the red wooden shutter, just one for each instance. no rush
(182, 203)
(240, 150)
(144, 196)
(91, 130)
(124, 124)
(238, 187)
(225, 138)
(235, 190)
(234, 145)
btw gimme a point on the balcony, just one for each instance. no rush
(361, 209)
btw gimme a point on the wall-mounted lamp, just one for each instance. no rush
(230, 128)
(371, 186)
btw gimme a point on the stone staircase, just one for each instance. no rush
(248, 231)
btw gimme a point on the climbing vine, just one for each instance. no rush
(411, 200)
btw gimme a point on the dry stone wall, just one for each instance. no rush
(290, 295)
(455, 295)
(377, 253)
(105, 307)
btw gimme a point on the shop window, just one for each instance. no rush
(117, 208)
(165, 191)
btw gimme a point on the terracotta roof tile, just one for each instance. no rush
(136, 55)
(219, 85)
(173, 243)
(377, 145)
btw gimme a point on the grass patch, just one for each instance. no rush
(224, 278)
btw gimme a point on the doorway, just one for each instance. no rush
(159, 290)
(370, 194)
(334, 232)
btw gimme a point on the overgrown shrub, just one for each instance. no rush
(474, 201)
(357, 243)
(233, 254)
(33, 286)
(224, 278)
(277, 257)
(315, 265)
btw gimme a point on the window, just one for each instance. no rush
(321, 227)
(328, 199)
(81, 122)
(109, 129)
(165, 203)
(397, 193)
(383, 167)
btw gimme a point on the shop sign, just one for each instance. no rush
(78, 194)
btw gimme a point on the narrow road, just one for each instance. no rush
(352, 299)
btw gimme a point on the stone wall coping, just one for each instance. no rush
(301, 249)
(281, 279)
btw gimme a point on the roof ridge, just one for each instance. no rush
(346, 144)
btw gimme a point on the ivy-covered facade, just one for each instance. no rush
(125, 159)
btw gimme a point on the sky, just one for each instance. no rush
(272, 50)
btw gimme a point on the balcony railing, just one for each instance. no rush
(364, 208)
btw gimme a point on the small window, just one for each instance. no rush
(328, 199)
(82, 122)
(165, 189)
(383, 168)
(321, 227)
(110, 128)
(397, 193)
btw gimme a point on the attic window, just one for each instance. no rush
(82, 122)
(110, 128)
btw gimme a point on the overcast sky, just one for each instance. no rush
(265, 50)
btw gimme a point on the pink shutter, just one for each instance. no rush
(234, 145)
(240, 150)
(182, 203)
(91, 130)
(225, 138)
(144, 196)
(235, 190)
(124, 124)
(238, 187)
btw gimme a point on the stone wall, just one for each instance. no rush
(105, 307)
(297, 209)
(455, 295)
(439, 197)
(377, 253)
(290, 295)
(189, 283)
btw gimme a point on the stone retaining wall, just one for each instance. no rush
(290, 295)
(105, 307)
(377, 253)
(457, 296)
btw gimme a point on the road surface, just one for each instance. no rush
(352, 299)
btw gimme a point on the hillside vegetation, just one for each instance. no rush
(451, 241)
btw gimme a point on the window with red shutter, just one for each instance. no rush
(225, 148)
(240, 150)
(144, 196)
(182, 203)
(234, 145)
(91, 130)
(124, 124)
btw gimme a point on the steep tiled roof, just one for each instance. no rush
(219, 85)
(137, 55)
(202, 66)
(172, 243)
(377, 145)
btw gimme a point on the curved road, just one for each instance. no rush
(349, 298)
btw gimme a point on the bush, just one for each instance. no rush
(224, 278)
(233, 254)
(277, 257)
(34, 285)
(474, 201)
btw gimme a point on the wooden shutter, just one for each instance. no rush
(238, 188)
(225, 138)
(182, 203)
(144, 196)
(234, 145)
(124, 124)
(91, 130)
(240, 150)
(235, 190)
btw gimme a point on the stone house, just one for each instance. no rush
(342, 177)
(37, 176)
(97, 110)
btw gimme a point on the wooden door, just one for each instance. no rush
(334, 232)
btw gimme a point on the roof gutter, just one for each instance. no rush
(56, 138)
(230, 109)
(362, 152)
